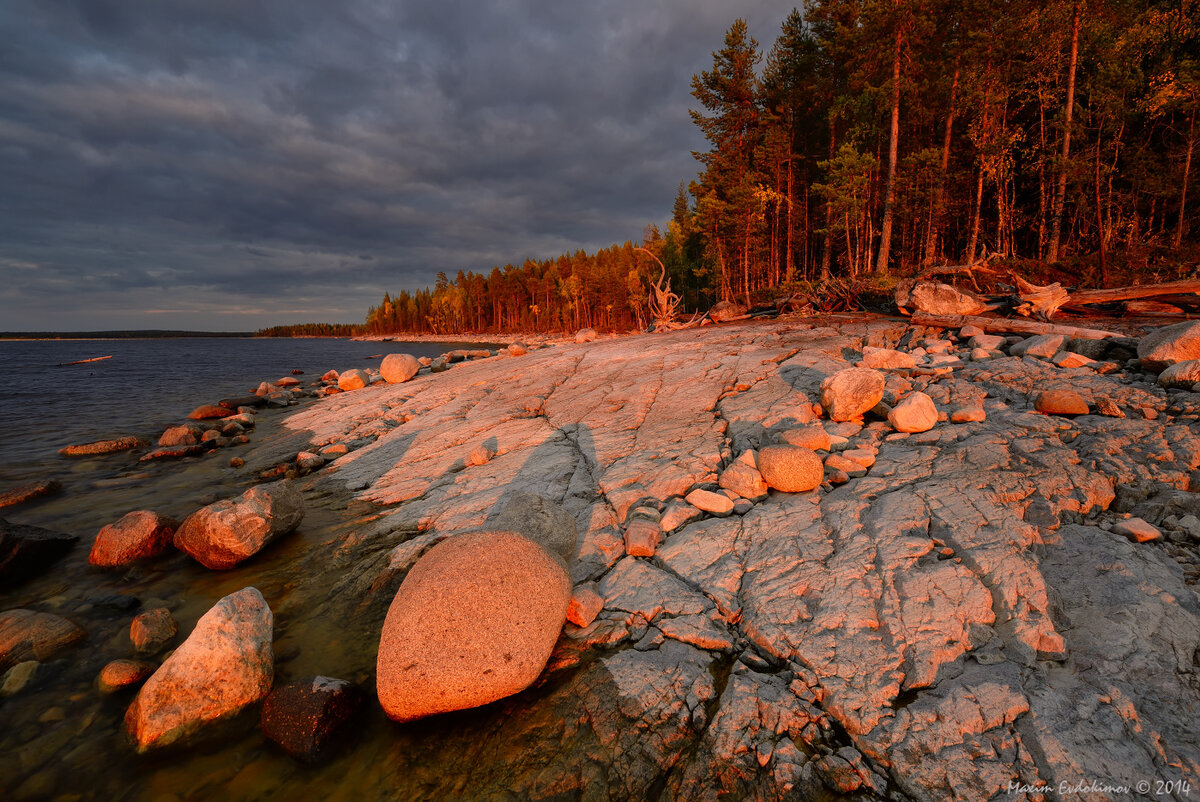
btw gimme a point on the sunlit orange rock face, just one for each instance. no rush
(474, 621)
(226, 664)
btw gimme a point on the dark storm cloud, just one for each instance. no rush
(235, 163)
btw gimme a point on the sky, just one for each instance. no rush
(228, 165)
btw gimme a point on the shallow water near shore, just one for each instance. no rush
(63, 739)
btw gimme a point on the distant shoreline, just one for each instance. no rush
(141, 334)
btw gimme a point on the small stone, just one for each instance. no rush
(307, 462)
(236, 462)
(1137, 530)
(863, 456)
(836, 462)
(1043, 346)
(813, 437)
(152, 630)
(1149, 413)
(642, 537)
(790, 469)
(139, 535)
(742, 506)
(123, 674)
(886, 359)
(586, 603)
(334, 450)
(585, 335)
(353, 379)
(981, 354)
(210, 411)
(916, 413)
(968, 415)
(517, 349)
(397, 368)
(17, 678)
(330, 376)
(481, 455)
(715, 503)
(969, 331)
(986, 342)
(1060, 402)
(678, 513)
(848, 394)
(1070, 359)
(188, 434)
(744, 480)
(1107, 407)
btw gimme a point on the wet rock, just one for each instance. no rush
(29, 635)
(29, 551)
(1043, 346)
(225, 664)
(790, 469)
(474, 621)
(585, 335)
(1168, 345)
(1060, 402)
(223, 534)
(138, 535)
(100, 447)
(305, 717)
(397, 368)
(18, 678)
(287, 381)
(29, 491)
(210, 411)
(176, 452)
(188, 434)
(708, 501)
(239, 403)
(353, 379)
(847, 394)
(120, 674)
(151, 631)
(916, 413)
(586, 603)
(307, 462)
(1181, 374)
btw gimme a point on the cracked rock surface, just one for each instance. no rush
(959, 620)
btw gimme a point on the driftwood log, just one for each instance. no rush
(1086, 297)
(1000, 325)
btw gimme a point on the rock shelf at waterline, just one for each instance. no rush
(949, 612)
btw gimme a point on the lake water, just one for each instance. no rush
(146, 386)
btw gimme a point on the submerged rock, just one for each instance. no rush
(100, 447)
(474, 621)
(120, 674)
(29, 551)
(29, 491)
(29, 635)
(223, 534)
(223, 666)
(138, 535)
(304, 716)
(152, 630)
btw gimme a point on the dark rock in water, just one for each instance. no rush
(186, 435)
(138, 535)
(27, 551)
(28, 635)
(28, 492)
(243, 401)
(121, 674)
(223, 534)
(175, 452)
(304, 716)
(117, 603)
(152, 630)
(100, 447)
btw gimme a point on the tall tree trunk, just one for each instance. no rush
(1041, 169)
(939, 193)
(790, 259)
(1187, 169)
(1060, 191)
(974, 239)
(885, 229)
(827, 250)
(1100, 217)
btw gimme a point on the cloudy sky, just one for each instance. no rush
(232, 164)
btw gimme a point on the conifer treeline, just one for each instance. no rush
(879, 136)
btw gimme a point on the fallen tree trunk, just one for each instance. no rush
(999, 325)
(1085, 297)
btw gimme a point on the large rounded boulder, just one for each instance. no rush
(847, 394)
(916, 413)
(397, 368)
(792, 469)
(1170, 344)
(474, 621)
(354, 379)
(226, 664)
(223, 534)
